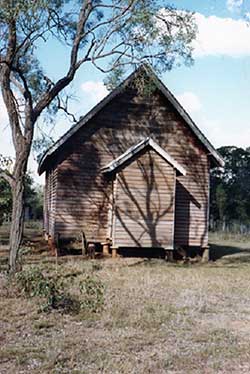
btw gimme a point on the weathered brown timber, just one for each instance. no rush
(144, 212)
(144, 201)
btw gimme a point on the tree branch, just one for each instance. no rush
(64, 107)
(7, 176)
(47, 98)
(7, 93)
(17, 84)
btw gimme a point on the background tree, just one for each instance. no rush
(108, 34)
(5, 200)
(5, 190)
(230, 190)
(33, 199)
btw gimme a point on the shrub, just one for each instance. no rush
(54, 293)
(92, 291)
(33, 283)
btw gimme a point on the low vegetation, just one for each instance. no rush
(129, 315)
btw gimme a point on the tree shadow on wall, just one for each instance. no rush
(83, 195)
(121, 124)
(156, 117)
(141, 208)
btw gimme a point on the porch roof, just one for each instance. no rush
(135, 149)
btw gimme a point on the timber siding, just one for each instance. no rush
(83, 196)
(144, 209)
(50, 198)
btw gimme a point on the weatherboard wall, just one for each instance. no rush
(144, 203)
(50, 198)
(83, 194)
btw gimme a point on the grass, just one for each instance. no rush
(157, 318)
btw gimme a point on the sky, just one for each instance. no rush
(215, 90)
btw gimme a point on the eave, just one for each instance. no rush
(133, 151)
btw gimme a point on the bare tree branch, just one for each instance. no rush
(17, 84)
(61, 105)
(62, 83)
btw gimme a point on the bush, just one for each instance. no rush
(33, 283)
(54, 293)
(92, 291)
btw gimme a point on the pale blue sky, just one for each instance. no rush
(215, 90)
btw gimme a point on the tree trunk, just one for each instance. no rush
(17, 219)
(17, 222)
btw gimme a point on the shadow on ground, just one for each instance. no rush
(229, 254)
(142, 252)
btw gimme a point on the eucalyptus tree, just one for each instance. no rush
(111, 35)
(230, 189)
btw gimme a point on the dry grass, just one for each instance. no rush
(158, 318)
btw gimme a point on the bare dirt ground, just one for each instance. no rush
(157, 317)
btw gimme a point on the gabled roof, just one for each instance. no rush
(134, 150)
(216, 157)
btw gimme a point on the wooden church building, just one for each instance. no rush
(133, 172)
